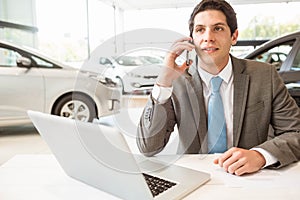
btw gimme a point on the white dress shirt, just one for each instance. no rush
(162, 94)
(226, 92)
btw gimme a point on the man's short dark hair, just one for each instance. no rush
(219, 5)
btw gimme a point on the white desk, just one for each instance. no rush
(39, 177)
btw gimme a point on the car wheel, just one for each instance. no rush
(76, 106)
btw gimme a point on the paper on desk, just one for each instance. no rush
(262, 179)
(285, 177)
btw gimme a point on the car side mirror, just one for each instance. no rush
(105, 61)
(23, 62)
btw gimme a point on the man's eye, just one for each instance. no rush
(200, 30)
(219, 28)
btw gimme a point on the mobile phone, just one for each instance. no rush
(188, 55)
(187, 58)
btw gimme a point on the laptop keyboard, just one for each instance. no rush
(157, 185)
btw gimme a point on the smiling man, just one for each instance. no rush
(221, 104)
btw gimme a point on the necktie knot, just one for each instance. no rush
(215, 84)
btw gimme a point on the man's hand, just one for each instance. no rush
(171, 70)
(240, 161)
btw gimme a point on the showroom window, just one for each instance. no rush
(18, 22)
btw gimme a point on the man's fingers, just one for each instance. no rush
(230, 161)
(184, 66)
(227, 154)
(216, 161)
(182, 44)
(184, 39)
(233, 167)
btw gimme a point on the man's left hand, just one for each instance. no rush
(240, 161)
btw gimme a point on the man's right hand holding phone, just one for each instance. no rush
(171, 70)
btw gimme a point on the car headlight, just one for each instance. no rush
(136, 85)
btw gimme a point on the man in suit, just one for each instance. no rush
(253, 99)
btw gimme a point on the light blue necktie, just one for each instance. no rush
(217, 141)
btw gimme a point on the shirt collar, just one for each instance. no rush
(225, 74)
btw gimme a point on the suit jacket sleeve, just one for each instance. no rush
(285, 120)
(155, 127)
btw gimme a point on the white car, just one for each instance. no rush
(136, 72)
(31, 81)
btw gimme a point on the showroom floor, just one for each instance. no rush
(26, 140)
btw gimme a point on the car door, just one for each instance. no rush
(21, 88)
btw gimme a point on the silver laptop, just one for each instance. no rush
(99, 156)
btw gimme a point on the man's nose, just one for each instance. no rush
(208, 36)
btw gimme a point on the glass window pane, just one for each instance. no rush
(277, 54)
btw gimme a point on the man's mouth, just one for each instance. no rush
(210, 49)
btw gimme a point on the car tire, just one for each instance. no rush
(76, 106)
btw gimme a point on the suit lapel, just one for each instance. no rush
(241, 86)
(196, 99)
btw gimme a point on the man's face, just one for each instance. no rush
(212, 38)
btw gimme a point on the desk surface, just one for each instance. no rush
(38, 177)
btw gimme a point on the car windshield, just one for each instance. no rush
(129, 61)
(151, 60)
(137, 60)
(276, 55)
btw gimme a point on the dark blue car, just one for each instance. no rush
(284, 54)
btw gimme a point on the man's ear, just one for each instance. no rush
(234, 37)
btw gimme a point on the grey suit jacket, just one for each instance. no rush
(261, 101)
